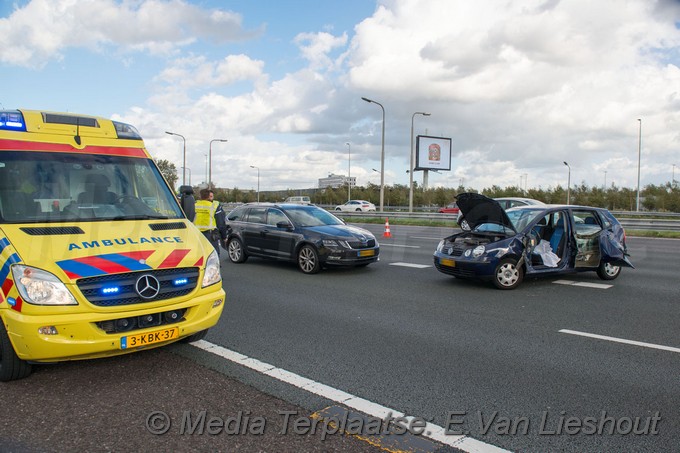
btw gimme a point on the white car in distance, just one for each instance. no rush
(356, 205)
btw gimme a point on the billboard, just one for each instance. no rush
(433, 153)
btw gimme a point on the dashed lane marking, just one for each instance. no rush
(382, 244)
(620, 340)
(432, 431)
(413, 265)
(583, 284)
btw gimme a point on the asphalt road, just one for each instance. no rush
(399, 334)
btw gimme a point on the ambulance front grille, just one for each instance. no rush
(119, 289)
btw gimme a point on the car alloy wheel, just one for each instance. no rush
(607, 271)
(308, 260)
(235, 249)
(508, 275)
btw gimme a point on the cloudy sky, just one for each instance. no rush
(518, 86)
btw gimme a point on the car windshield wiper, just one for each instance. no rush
(139, 217)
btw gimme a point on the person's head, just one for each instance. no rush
(207, 194)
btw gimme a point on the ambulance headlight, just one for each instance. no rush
(39, 287)
(212, 271)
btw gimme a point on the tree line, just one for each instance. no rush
(662, 198)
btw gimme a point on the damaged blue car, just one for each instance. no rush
(504, 246)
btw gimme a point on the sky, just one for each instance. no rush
(518, 86)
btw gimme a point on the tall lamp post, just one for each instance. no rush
(184, 157)
(673, 177)
(410, 177)
(349, 171)
(210, 159)
(382, 155)
(568, 184)
(605, 180)
(637, 202)
(258, 181)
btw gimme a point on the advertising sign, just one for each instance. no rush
(433, 153)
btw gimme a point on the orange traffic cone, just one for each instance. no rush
(387, 233)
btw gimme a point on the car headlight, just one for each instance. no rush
(440, 246)
(212, 271)
(478, 251)
(39, 287)
(330, 243)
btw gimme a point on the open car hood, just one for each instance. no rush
(478, 209)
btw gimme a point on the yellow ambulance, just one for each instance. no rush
(96, 256)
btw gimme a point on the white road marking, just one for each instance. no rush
(426, 237)
(382, 244)
(621, 340)
(584, 284)
(416, 266)
(432, 431)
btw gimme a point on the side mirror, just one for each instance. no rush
(285, 225)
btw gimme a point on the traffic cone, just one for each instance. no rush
(387, 233)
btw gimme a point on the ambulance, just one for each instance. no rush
(96, 256)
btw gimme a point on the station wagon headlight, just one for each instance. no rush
(332, 243)
(212, 270)
(478, 251)
(39, 287)
(440, 246)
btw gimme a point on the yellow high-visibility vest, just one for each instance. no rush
(205, 215)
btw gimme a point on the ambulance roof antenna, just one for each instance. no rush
(77, 137)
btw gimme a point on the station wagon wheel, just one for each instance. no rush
(11, 366)
(607, 271)
(308, 260)
(508, 275)
(236, 252)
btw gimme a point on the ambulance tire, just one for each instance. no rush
(195, 337)
(11, 366)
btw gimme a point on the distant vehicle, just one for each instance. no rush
(533, 240)
(451, 208)
(506, 203)
(356, 205)
(298, 200)
(308, 235)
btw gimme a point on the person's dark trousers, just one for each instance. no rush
(214, 238)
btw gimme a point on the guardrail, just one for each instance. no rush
(628, 223)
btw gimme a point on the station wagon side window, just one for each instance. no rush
(275, 216)
(257, 215)
(237, 214)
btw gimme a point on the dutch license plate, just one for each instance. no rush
(143, 339)
(447, 262)
(367, 253)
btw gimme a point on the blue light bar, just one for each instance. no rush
(12, 120)
(108, 290)
(180, 281)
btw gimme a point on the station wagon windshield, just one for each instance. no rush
(306, 217)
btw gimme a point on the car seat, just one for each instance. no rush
(590, 221)
(557, 237)
(97, 190)
(15, 205)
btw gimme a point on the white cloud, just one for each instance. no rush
(44, 30)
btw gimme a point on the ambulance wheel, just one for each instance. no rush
(195, 337)
(607, 271)
(235, 250)
(11, 366)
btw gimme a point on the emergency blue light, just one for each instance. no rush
(108, 290)
(180, 281)
(12, 120)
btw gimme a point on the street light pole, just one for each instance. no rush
(210, 159)
(184, 157)
(637, 202)
(568, 184)
(258, 181)
(605, 180)
(410, 177)
(382, 156)
(349, 171)
(673, 178)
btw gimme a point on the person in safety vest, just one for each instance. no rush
(211, 219)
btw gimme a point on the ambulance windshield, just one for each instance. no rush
(63, 187)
